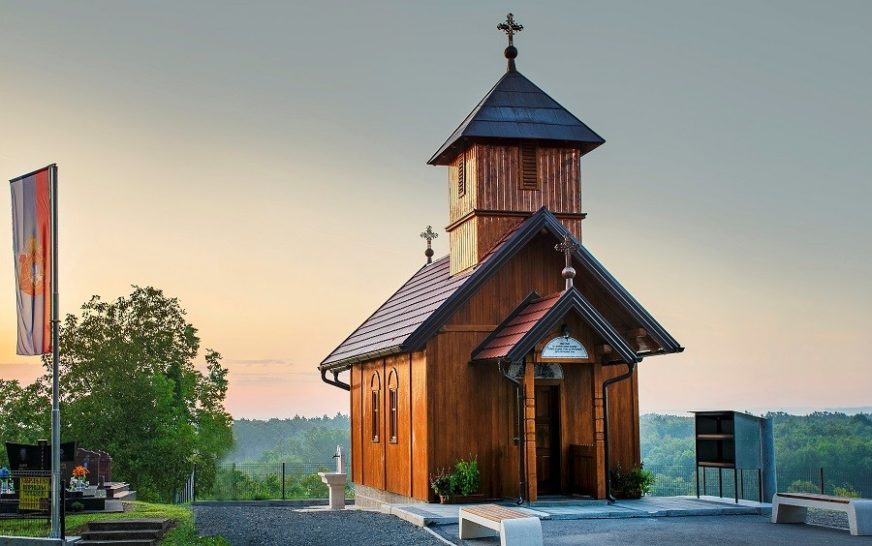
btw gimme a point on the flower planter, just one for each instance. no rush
(460, 499)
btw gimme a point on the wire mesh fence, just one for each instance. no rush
(270, 481)
(826, 481)
(25, 504)
(680, 480)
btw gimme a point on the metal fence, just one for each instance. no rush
(27, 517)
(270, 481)
(680, 480)
(827, 481)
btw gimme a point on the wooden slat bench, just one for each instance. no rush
(514, 528)
(792, 508)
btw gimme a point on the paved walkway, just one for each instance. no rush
(573, 509)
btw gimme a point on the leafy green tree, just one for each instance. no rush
(129, 386)
(25, 415)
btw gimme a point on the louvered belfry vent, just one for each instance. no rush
(461, 174)
(529, 179)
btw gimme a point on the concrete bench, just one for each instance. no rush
(792, 508)
(514, 528)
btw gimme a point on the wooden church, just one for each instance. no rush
(519, 347)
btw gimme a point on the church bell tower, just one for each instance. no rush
(517, 151)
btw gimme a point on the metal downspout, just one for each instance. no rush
(631, 366)
(335, 381)
(519, 389)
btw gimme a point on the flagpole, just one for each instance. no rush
(55, 398)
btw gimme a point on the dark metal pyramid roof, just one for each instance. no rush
(517, 109)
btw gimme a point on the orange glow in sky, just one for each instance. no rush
(272, 175)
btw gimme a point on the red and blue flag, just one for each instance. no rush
(32, 247)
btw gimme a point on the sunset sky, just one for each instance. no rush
(265, 163)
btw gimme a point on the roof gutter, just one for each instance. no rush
(631, 367)
(335, 381)
(519, 389)
(346, 363)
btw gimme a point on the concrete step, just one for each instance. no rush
(123, 534)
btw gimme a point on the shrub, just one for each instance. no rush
(77, 506)
(441, 483)
(466, 477)
(803, 486)
(632, 484)
(846, 491)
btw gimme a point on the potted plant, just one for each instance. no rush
(632, 484)
(441, 485)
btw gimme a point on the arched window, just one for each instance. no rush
(375, 392)
(393, 402)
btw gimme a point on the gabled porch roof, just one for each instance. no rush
(535, 317)
(424, 304)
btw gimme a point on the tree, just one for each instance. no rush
(129, 386)
(24, 415)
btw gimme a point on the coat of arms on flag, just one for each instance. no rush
(32, 248)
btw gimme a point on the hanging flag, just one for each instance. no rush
(32, 247)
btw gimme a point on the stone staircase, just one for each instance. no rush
(124, 532)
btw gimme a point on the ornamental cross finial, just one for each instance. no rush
(510, 27)
(429, 234)
(566, 247)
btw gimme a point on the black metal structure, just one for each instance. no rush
(728, 440)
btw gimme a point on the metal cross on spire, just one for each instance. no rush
(429, 234)
(510, 27)
(566, 247)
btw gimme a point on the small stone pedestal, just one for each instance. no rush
(336, 483)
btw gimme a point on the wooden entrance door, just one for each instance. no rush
(548, 439)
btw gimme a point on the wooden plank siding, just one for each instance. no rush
(398, 467)
(398, 454)
(450, 409)
(494, 201)
(475, 405)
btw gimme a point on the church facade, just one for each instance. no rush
(518, 348)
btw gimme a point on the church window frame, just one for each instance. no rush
(375, 407)
(393, 407)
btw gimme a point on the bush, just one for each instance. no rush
(803, 486)
(464, 480)
(466, 477)
(632, 484)
(441, 483)
(846, 491)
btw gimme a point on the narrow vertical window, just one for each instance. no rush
(393, 402)
(528, 171)
(461, 174)
(375, 391)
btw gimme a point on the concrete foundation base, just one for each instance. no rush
(375, 499)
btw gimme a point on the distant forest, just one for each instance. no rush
(299, 440)
(840, 443)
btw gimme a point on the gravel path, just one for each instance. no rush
(266, 525)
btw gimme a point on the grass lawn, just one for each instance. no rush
(182, 533)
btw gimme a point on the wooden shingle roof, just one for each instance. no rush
(515, 108)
